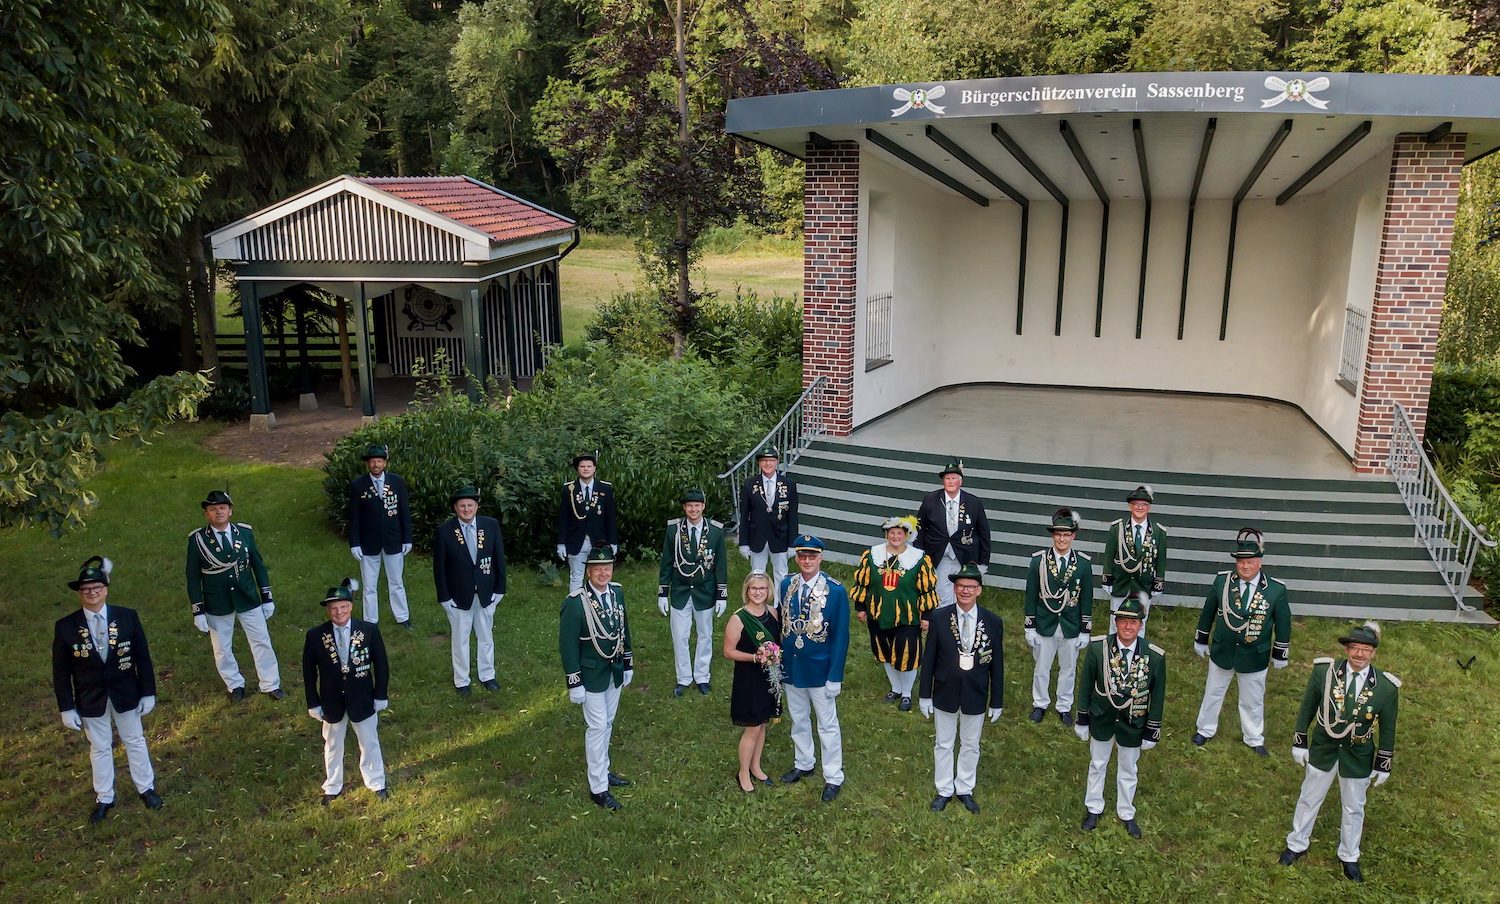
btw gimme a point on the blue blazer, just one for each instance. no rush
(821, 657)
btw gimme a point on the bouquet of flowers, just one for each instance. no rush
(768, 655)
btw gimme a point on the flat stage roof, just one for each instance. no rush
(1162, 135)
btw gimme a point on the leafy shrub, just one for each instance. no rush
(1458, 392)
(229, 400)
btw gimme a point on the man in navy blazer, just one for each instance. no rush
(380, 533)
(468, 568)
(346, 676)
(768, 516)
(102, 676)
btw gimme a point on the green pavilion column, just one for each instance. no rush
(261, 417)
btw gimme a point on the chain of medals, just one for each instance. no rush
(1331, 710)
(978, 642)
(598, 619)
(1126, 688)
(215, 564)
(1133, 560)
(701, 559)
(1065, 594)
(778, 494)
(1250, 622)
(804, 617)
(591, 506)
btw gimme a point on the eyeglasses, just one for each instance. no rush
(92, 588)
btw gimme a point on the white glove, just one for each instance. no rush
(835, 687)
(718, 608)
(1081, 641)
(995, 714)
(575, 694)
(1147, 745)
(562, 551)
(629, 674)
(147, 704)
(405, 548)
(201, 623)
(1299, 756)
(1032, 640)
(1201, 649)
(71, 719)
(448, 604)
(745, 551)
(270, 609)
(495, 600)
(662, 604)
(924, 705)
(358, 556)
(984, 569)
(382, 705)
(1280, 663)
(316, 712)
(1082, 731)
(1380, 778)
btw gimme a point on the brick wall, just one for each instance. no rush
(830, 236)
(1412, 269)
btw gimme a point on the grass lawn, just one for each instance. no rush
(488, 795)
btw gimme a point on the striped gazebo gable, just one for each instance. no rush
(365, 237)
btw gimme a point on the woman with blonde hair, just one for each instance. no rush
(752, 638)
(894, 587)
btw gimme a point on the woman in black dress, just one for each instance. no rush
(756, 696)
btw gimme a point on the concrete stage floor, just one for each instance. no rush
(1113, 428)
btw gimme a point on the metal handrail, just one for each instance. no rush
(804, 422)
(1451, 539)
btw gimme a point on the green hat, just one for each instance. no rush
(1249, 544)
(1367, 633)
(956, 466)
(692, 495)
(375, 450)
(343, 593)
(585, 456)
(1132, 607)
(218, 497)
(94, 571)
(1141, 493)
(969, 572)
(1064, 519)
(467, 491)
(767, 452)
(600, 555)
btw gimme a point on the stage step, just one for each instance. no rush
(1344, 548)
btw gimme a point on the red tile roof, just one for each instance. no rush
(503, 217)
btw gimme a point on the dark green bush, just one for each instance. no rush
(229, 400)
(1456, 393)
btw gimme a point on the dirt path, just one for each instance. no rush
(301, 438)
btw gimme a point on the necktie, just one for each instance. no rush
(588, 494)
(1246, 589)
(342, 636)
(469, 540)
(1125, 657)
(101, 646)
(966, 628)
(379, 487)
(770, 488)
(693, 537)
(224, 539)
(952, 515)
(1137, 536)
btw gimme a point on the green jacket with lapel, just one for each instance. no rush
(594, 639)
(1070, 591)
(1119, 556)
(697, 576)
(223, 581)
(1241, 636)
(1341, 732)
(1127, 711)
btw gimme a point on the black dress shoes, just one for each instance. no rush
(1132, 828)
(618, 781)
(969, 802)
(904, 705)
(1351, 871)
(464, 691)
(100, 811)
(1067, 718)
(940, 803)
(151, 799)
(330, 798)
(383, 794)
(605, 800)
(237, 695)
(703, 688)
(795, 775)
(677, 691)
(893, 696)
(1090, 821)
(1289, 856)
(1037, 714)
(1199, 740)
(1260, 750)
(832, 791)
(490, 685)
(405, 624)
(275, 693)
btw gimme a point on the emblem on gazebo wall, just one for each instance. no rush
(427, 313)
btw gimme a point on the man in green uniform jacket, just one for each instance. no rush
(1123, 692)
(1245, 626)
(1059, 610)
(1135, 553)
(693, 588)
(1344, 705)
(594, 641)
(227, 580)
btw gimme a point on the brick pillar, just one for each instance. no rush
(1409, 279)
(830, 237)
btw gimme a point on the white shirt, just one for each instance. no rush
(1062, 559)
(768, 484)
(966, 622)
(469, 539)
(1357, 681)
(341, 638)
(379, 484)
(605, 597)
(588, 489)
(1128, 652)
(1252, 584)
(99, 627)
(223, 537)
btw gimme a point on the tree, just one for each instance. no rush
(1383, 36)
(1207, 35)
(1470, 331)
(401, 61)
(641, 124)
(90, 182)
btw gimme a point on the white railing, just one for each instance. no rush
(1352, 357)
(878, 330)
(804, 422)
(1451, 539)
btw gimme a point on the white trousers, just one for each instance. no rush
(575, 566)
(692, 669)
(1126, 761)
(599, 715)
(1047, 649)
(371, 763)
(901, 682)
(776, 560)
(101, 756)
(802, 704)
(1252, 703)
(1315, 785)
(479, 621)
(948, 778)
(369, 576)
(945, 566)
(221, 635)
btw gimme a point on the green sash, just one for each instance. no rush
(753, 627)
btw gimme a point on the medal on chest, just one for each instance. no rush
(966, 661)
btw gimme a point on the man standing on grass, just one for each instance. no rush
(692, 589)
(380, 534)
(768, 517)
(585, 518)
(593, 640)
(227, 580)
(468, 570)
(1059, 610)
(814, 646)
(346, 675)
(953, 529)
(1135, 554)
(105, 685)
